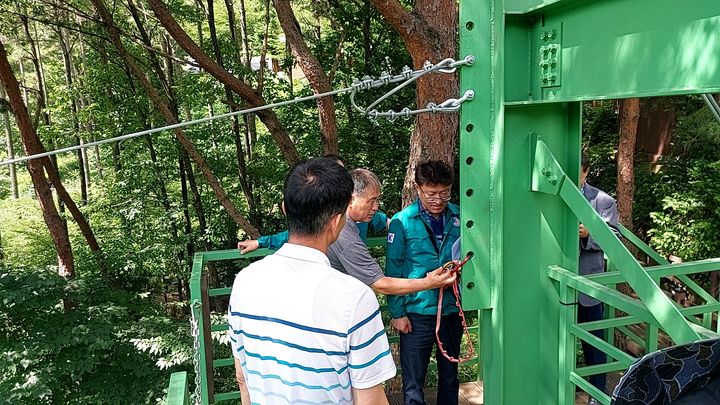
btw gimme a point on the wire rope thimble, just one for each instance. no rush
(446, 66)
(449, 105)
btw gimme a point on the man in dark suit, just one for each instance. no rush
(592, 261)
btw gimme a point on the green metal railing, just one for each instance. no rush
(205, 362)
(653, 310)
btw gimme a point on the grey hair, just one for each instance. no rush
(364, 179)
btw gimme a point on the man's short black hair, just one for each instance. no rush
(434, 172)
(335, 157)
(315, 191)
(584, 162)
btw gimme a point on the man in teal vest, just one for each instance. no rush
(420, 239)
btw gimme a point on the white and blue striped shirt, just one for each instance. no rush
(304, 332)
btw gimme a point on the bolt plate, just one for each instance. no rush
(550, 55)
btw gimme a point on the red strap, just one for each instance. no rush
(456, 268)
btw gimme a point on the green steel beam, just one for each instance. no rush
(631, 320)
(662, 308)
(690, 283)
(704, 332)
(233, 254)
(196, 309)
(227, 396)
(481, 125)
(178, 392)
(219, 328)
(633, 336)
(602, 293)
(217, 363)
(216, 292)
(602, 345)
(585, 385)
(610, 322)
(663, 270)
(601, 368)
(615, 49)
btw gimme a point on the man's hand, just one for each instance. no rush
(583, 232)
(402, 324)
(247, 246)
(440, 278)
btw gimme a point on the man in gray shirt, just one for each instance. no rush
(350, 255)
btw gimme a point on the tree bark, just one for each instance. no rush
(245, 52)
(90, 123)
(268, 117)
(10, 147)
(313, 71)
(239, 152)
(68, 65)
(629, 115)
(35, 59)
(61, 240)
(429, 33)
(170, 119)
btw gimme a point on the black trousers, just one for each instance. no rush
(592, 354)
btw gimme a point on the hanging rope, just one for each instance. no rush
(407, 76)
(455, 268)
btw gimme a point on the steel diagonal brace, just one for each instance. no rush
(550, 178)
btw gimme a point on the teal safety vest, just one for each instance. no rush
(413, 251)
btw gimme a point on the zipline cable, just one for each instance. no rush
(445, 66)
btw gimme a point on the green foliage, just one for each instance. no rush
(689, 221)
(676, 201)
(112, 347)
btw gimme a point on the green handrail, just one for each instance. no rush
(178, 393)
(200, 294)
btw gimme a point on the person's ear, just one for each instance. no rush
(337, 222)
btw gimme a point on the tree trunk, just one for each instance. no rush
(313, 72)
(367, 42)
(61, 240)
(116, 157)
(239, 153)
(629, 115)
(429, 33)
(269, 118)
(245, 58)
(250, 122)
(10, 148)
(68, 65)
(35, 59)
(21, 64)
(170, 119)
(236, 41)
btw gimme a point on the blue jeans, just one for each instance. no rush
(415, 350)
(592, 354)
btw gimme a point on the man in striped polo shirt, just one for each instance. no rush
(300, 331)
